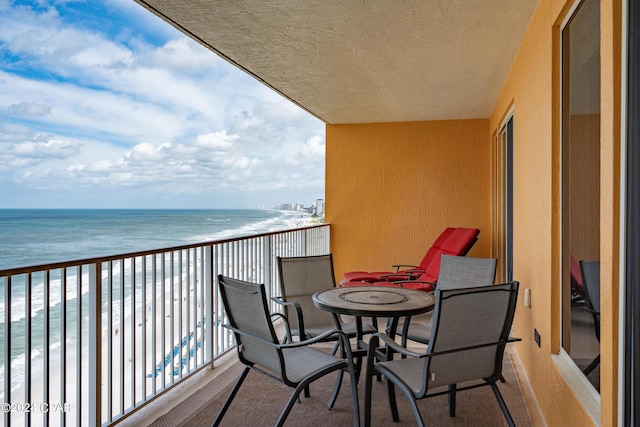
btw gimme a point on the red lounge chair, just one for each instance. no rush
(452, 241)
(578, 292)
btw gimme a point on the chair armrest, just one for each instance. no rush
(298, 309)
(400, 282)
(375, 338)
(342, 338)
(286, 325)
(473, 347)
(397, 266)
(314, 340)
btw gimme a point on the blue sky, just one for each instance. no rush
(104, 105)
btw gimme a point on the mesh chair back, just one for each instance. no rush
(300, 278)
(465, 318)
(246, 307)
(465, 272)
(591, 278)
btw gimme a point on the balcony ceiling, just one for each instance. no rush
(365, 61)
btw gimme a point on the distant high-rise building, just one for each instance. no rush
(320, 207)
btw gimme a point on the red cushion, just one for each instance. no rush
(576, 275)
(360, 276)
(345, 284)
(439, 243)
(419, 286)
(460, 241)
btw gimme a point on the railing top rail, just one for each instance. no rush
(92, 260)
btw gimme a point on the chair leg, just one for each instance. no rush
(227, 402)
(368, 384)
(503, 406)
(591, 366)
(354, 396)
(452, 400)
(393, 406)
(287, 409)
(412, 402)
(336, 390)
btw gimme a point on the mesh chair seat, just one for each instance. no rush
(409, 370)
(302, 362)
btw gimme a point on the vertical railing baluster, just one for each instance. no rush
(27, 344)
(180, 302)
(154, 331)
(123, 328)
(202, 295)
(132, 338)
(7, 347)
(79, 342)
(143, 332)
(187, 315)
(46, 344)
(163, 310)
(172, 315)
(110, 390)
(95, 344)
(63, 344)
(207, 306)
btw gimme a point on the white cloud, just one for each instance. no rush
(28, 109)
(121, 118)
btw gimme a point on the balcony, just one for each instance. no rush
(92, 341)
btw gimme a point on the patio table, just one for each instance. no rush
(373, 301)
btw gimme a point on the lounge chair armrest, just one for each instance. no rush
(400, 282)
(397, 266)
(385, 277)
(408, 275)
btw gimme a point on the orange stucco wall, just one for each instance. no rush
(391, 188)
(533, 91)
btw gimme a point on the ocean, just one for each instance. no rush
(39, 236)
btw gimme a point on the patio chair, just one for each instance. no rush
(300, 278)
(294, 364)
(452, 241)
(455, 272)
(467, 346)
(590, 271)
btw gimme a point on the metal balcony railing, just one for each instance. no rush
(88, 342)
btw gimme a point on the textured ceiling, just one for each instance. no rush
(348, 61)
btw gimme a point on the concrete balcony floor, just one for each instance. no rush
(226, 371)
